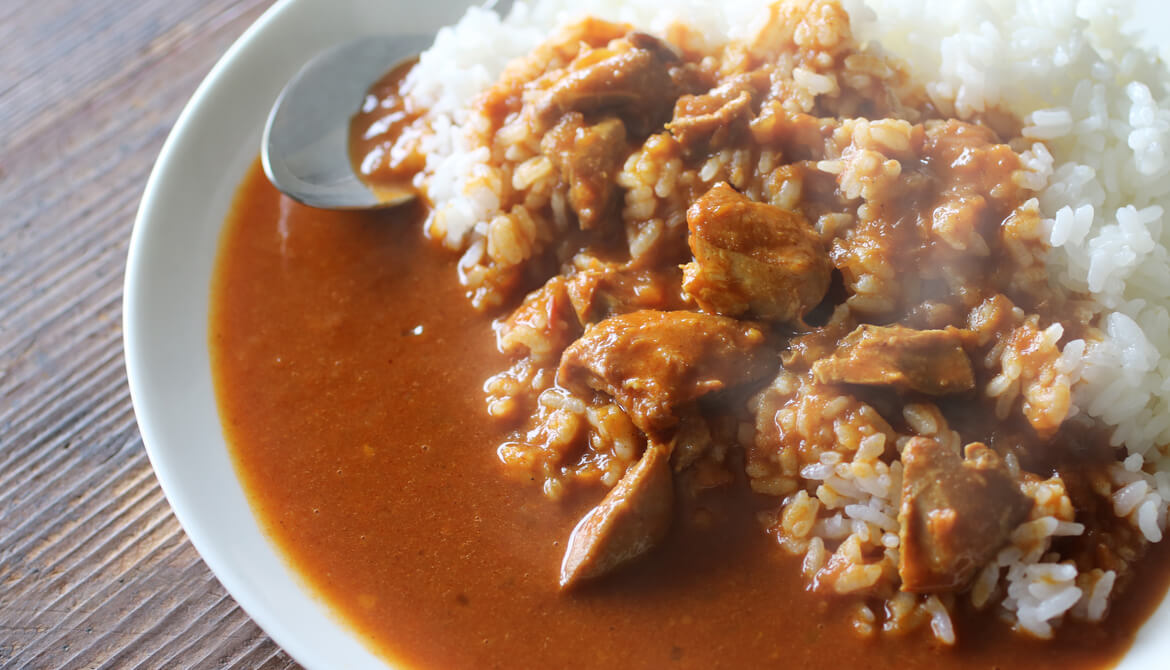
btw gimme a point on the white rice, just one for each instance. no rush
(1069, 71)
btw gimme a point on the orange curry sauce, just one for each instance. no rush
(349, 366)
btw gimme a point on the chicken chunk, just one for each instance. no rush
(927, 361)
(712, 119)
(653, 363)
(634, 84)
(753, 258)
(632, 519)
(956, 513)
(600, 290)
(588, 158)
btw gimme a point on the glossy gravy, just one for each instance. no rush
(348, 368)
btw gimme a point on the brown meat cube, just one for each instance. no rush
(635, 85)
(632, 519)
(655, 362)
(588, 158)
(956, 513)
(753, 258)
(601, 290)
(647, 42)
(712, 119)
(926, 361)
(543, 325)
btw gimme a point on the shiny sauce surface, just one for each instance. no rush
(385, 133)
(348, 366)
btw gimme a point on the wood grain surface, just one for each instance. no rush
(94, 570)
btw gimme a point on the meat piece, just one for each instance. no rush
(600, 290)
(690, 78)
(926, 361)
(542, 326)
(753, 258)
(588, 158)
(633, 84)
(712, 119)
(632, 519)
(655, 362)
(647, 42)
(956, 513)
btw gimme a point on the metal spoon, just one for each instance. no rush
(305, 148)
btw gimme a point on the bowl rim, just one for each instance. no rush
(267, 613)
(212, 544)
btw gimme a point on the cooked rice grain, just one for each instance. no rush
(1102, 184)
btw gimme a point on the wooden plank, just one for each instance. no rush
(94, 570)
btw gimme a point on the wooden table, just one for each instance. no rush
(94, 569)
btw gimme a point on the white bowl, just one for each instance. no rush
(172, 251)
(168, 280)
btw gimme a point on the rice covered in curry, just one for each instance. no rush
(777, 256)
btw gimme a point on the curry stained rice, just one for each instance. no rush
(782, 258)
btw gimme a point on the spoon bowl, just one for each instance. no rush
(305, 147)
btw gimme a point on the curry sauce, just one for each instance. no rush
(349, 369)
